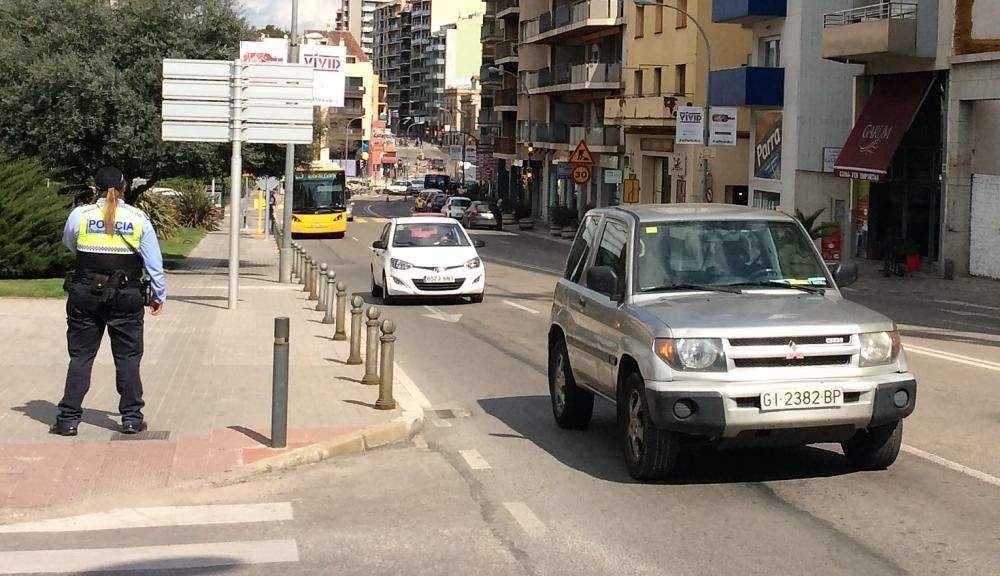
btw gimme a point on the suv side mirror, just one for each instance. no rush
(845, 273)
(378, 244)
(604, 280)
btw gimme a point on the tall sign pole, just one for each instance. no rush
(285, 254)
(235, 180)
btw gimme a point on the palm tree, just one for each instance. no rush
(809, 222)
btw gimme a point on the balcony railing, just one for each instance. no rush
(505, 49)
(569, 15)
(503, 7)
(504, 145)
(881, 11)
(506, 97)
(567, 134)
(580, 74)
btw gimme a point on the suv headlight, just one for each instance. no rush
(398, 264)
(693, 354)
(878, 348)
(474, 263)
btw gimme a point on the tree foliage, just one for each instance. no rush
(82, 82)
(32, 215)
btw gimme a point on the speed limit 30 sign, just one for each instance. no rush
(581, 174)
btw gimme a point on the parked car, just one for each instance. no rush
(479, 215)
(398, 187)
(426, 256)
(415, 187)
(721, 323)
(455, 207)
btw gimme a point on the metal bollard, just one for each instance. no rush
(341, 333)
(371, 345)
(356, 304)
(321, 287)
(313, 275)
(331, 288)
(279, 385)
(300, 255)
(306, 268)
(386, 373)
(317, 281)
(295, 259)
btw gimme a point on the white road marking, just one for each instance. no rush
(526, 518)
(355, 238)
(521, 265)
(967, 360)
(475, 460)
(968, 305)
(159, 517)
(133, 559)
(520, 307)
(966, 313)
(411, 387)
(440, 423)
(439, 314)
(954, 466)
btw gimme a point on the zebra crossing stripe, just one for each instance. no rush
(159, 517)
(129, 560)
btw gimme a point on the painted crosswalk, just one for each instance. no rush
(155, 555)
(367, 219)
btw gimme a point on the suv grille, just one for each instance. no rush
(841, 360)
(799, 341)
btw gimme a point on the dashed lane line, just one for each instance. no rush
(475, 460)
(953, 466)
(520, 307)
(530, 523)
(958, 358)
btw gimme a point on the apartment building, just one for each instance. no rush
(360, 16)
(503, 100)
(666, 66)
(923, 157)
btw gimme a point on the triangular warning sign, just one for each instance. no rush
(581, 155)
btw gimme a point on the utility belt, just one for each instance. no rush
(106, 285)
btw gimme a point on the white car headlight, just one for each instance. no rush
(474, 263)
(879, 348)
(398, 264)
(696, 354)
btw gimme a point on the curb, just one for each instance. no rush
(403, 428)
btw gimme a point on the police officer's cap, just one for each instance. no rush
(109, 177)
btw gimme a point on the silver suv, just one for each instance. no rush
(721, 323)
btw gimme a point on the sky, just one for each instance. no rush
(312, 13)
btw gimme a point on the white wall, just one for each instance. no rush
(984, 256)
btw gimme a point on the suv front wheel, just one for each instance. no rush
(650, 453)
(572, 406)
(875, 449)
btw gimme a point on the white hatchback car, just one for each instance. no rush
(427, 256)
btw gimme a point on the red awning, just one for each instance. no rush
(883, 123)
(390, 160)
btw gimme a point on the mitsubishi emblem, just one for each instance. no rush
(793, 352)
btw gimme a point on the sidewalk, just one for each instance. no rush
(925, 286)
(207, 378)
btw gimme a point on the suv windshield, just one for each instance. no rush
(726, 253)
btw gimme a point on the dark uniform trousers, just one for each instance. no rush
(87, 319)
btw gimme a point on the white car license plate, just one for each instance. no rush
(439, 279)
(801, 399)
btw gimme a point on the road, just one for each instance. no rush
(767, 512)
(494, 486)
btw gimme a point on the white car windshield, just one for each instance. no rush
(428, 234)
(461, 202)
(726, 253)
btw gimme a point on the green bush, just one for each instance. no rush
(32, 217)
(162, 212)
(195, 209)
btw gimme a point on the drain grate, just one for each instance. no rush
(445, 414)
(144, 435)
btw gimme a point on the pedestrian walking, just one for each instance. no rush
(113, 243)
(497, 215)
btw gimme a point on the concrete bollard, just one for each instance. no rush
(321, 287)
(371, 348)
(331, 281)
(357, 303)
(298, 262)
(386, 373)
(306, 271)
(313, 274)
(279, 385)
(341, 333)
(295, 259)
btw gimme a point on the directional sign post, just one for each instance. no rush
(236, 101)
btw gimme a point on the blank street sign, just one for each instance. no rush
(282, 133)
(197, 69)
(200, 90)
(196, 131)
(182, 110)
(280, 92)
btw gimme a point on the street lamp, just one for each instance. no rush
(531, 147)
(708, 82)
(411, 126)
(347, 136)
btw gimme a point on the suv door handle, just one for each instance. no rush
(582, 301)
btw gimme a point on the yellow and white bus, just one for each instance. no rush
(319, 203)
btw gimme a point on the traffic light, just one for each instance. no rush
(526, 178)
(531, 148)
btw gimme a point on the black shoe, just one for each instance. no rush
(63, 429)
(133, 427)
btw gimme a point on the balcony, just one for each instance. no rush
(566, 137)
(572, 21)
(576, 77)
(871, 32)
(485, 118)
(750, 86)
(489, 78)
(490, 31)
(505, 100)
(504, 146)
(505, 52)
(507, 8)
(747, 11)
(659, 111)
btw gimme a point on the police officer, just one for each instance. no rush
(113, 243)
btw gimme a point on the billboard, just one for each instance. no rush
(767, 145)
(330, 63)
(268, 50)
(690, 125)
(722, 127)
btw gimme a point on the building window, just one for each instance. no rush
(640, 21)
(680, 79)
(658, 81)
(682, 19)
(770, 52)
(658, 25)
(638, 83)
